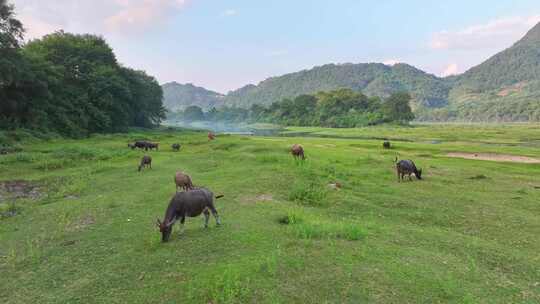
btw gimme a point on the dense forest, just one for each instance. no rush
(343, 108)
(70, 84)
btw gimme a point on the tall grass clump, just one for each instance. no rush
(309, 193)
(305, 226)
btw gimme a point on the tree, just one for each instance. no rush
(193, 113)
(396, 108)
(11, 29)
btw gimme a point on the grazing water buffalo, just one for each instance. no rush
(297, 151)
(211, 136)
(191, 204)
(152, 146)
(407, 167)
(183, 181)
(146, 161)
(175, 147)
(386, 145)
(138, 144)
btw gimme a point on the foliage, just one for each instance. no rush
(342, 108)
(71, 84)
(396, 108)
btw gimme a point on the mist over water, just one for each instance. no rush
(224, 127)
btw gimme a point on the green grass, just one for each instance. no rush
(468, 233)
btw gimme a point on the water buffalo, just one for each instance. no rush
(211, 136)
(175, 147)
(407, 167)
(138, 144)
(386, 145)
(152, 146)
(183, 181)
(146, 161)
(191, 204)
(297, 151)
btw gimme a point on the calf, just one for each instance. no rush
(175, 147)
(146, 161)
(191, 204)
(407, 167)
(183, 181)
(297, 151)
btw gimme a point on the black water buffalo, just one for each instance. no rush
(407, 167)
(175, 147)
(151, 146)
(386, 145)
(138, 144)
(188, 204)
(146, 161)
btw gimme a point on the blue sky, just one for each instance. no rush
(223, 45)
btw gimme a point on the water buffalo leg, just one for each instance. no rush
(215, 214)
(206, 217)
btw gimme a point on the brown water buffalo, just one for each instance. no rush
(188, 204)
(297, 151)
(211, 136)
(183, 181)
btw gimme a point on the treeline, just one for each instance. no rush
(343, 108)
(70, 84)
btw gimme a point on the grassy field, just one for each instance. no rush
(468, 233)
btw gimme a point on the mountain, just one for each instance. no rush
(178, 96)
(374, 79)
(506, 87)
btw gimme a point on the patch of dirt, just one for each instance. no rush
(81, 223)
(518, 87)
(258, 198)
(17, 189)
(495, 157)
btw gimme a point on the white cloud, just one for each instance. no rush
(96, 16)
(137, 14)
(391, 62)
(497, 33)
(229, 12)
(452, 69)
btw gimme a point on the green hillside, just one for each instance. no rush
(178, 96)
(374, 79)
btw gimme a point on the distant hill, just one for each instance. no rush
(374, 79)
(506, 87)
(178, 96)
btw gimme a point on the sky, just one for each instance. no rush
(223, 45)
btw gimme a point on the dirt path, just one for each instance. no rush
(495, 157)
